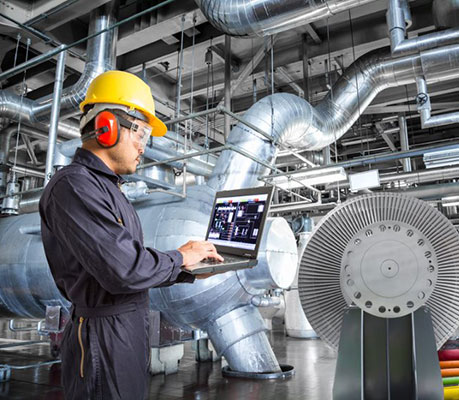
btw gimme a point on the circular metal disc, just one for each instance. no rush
(389, 254)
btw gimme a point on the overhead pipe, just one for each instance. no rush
(404, 144)
(433, 191)
(162, 149)
(55, 110)
(424, 108)
(101, 57)
(262, 18)
(398, 20)
(292, 121)
(409, 178)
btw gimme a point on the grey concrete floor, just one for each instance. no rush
(314, 365)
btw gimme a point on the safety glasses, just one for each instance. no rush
(139, 131)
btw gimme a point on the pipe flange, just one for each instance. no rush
(287, 371)
(393, 283)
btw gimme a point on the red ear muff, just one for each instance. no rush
(107, 123)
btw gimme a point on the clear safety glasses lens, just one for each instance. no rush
(140, 134)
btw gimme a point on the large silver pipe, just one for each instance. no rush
(101, 57)
(425, 108)
(404, 144)
(293, 122)
(397, 25)
(161, 149)
(56, 106)
(266, 17)
(434, 191)
(409, 178)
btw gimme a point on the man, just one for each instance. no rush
(94, 245)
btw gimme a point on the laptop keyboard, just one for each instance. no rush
(228, 260)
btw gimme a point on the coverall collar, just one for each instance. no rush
(91, 161)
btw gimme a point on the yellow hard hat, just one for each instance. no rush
(120, 87)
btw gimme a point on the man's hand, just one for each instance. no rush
(195, 251)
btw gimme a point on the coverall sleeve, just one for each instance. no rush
(81, 216)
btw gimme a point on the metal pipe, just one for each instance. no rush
(396, 22)
(162, 150)
(433, 191)
(101, 54)
(375, 159)
(404, 143)
(101, 57)
(50, 54)
(292, 122)
(409, 178)
(56, 106)
(424, 108)
(41, 35)
(261, 18)
(227, 84)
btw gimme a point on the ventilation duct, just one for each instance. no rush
(101, 57)
(217, 301)
(260, 18)
(293, 122)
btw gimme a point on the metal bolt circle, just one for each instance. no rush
(392, 269)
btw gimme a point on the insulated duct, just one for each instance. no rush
(260, 18)
(101, 57)
(293, 122)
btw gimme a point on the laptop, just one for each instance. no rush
(235, 228)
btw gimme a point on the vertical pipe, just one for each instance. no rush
(179, 79)
(227, 84)
(326, 155)
(404, 142)
(55, 110)
(305, 57)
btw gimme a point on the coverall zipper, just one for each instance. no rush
(80, 340)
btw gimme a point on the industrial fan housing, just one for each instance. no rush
(387, 253)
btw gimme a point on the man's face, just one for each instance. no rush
(126, 154)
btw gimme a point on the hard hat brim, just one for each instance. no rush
(159, 128)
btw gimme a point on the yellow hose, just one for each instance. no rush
(80, 326)
(452, 393)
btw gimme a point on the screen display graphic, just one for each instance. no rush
(236, 221)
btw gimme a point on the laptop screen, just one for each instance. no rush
(238, 218)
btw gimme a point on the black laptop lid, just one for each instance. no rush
(238, 219)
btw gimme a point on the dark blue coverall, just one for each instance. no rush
(93, 242)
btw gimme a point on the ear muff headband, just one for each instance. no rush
(107, 123)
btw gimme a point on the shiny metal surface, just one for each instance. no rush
(313, 360)
(254, 17)
(323, 266)
(446, 13)
(55, 111)
(388, 268)
(296, 323)
(404, 143)
(101, 57)
(424, 108)
(294, 122)
(242, 331)
(397, 23)
(277, 259)
(27, 285)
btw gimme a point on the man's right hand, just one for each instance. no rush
(195, 251)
